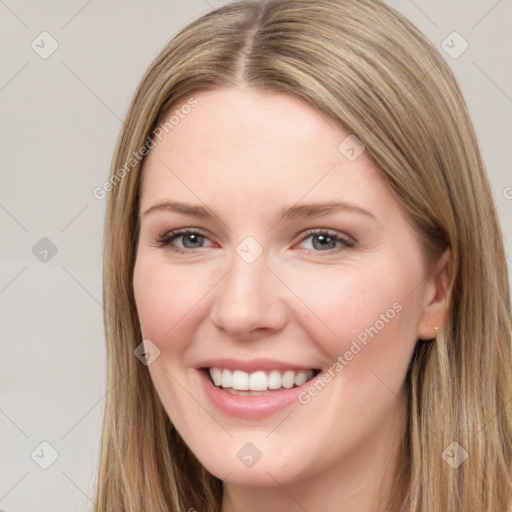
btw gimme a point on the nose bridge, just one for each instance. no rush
(248, 299)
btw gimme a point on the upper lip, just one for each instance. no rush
(252, 365)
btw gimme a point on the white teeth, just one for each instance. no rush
(300, 378)
(216, 375)
(288, 379)
(240, 380)
(274, 379)
(227, 379)
(259, 380)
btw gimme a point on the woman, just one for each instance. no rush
(305, 284)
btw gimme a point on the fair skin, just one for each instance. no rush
(246, 155)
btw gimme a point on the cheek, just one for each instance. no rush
(165, 296)
(367, 313)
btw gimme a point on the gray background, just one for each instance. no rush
(60, 119)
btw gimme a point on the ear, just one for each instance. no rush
(436, 292)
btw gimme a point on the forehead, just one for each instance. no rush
(252, 147)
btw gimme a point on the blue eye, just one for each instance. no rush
(324, 241)
(191, 239)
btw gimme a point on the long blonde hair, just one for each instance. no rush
(369, 68)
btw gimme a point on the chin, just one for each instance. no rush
(242, 464)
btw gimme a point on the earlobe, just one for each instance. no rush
(437, 293)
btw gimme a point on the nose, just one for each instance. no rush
(249, 299)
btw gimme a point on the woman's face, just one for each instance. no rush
(299, 262)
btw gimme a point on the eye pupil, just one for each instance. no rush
(324, 240)
(198, 239)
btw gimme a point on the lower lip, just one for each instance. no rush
(250, 406)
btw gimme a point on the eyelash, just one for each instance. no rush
(166, 239)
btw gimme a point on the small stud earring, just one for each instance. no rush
(436, 331)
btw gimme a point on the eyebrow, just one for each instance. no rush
(300, 211)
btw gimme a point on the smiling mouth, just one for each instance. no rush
(238, 382)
